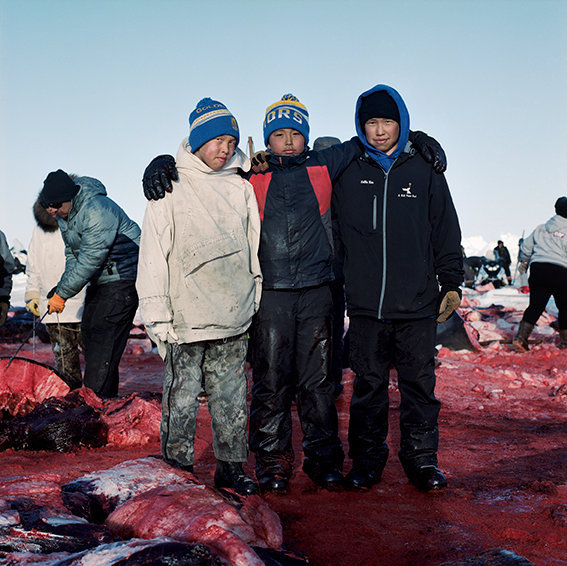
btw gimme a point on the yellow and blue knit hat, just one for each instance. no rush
(210, 119)
(286, 113)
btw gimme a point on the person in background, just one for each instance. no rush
(7, 266)
(403, 268)
(44, 267)
(502, 254)
(199, 283)
(101, 250)
(545, 252)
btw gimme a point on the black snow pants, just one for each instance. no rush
(409, 345)
(107, 320)
(338, 321)
(547, 279)
(291, 357)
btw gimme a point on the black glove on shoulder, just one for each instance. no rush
(430, 149)
(158, 176)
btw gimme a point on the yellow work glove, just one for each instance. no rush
(32, 302)
(55, 304)
(449, 305)
(260, 161)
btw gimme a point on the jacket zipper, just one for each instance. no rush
(385, 194)
(374, 212)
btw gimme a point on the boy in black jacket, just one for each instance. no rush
(396, 223)
(292, 328)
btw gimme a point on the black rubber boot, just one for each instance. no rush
(231, 475)
(362, 479)
(324, 474)
(273, 482)
(520, 341)
(427, 478)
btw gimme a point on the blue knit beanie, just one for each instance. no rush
(286, 113)
(209, 120)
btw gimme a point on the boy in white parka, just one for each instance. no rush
(199, 284)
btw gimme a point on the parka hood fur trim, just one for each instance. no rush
(43, 219)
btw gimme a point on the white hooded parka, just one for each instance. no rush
(198, 266)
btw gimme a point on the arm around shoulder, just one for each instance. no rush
(158, 176)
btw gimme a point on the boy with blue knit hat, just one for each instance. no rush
(199, 284)
(292, 328)
(286, 113)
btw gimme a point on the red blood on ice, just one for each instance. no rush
(25, 383)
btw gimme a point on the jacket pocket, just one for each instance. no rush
(206, 250)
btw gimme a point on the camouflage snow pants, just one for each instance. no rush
(65, 341)
(221, 364)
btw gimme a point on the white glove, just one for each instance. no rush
(522, 267)
(162, 331)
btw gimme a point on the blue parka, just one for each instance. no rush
(101, 242)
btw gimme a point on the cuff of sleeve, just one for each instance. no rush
(446, 288)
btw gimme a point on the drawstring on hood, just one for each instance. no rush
(380, 157)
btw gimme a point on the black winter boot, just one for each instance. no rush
(562, 339)
(520, 341)
(362, 479)
(426, 478)
(325, 474)
(231, 475)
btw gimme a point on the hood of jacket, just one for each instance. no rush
(90, 187)
(382, 158)
(556, 223)
(186, 160)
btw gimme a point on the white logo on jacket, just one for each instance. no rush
(366, 182)
(407, 192)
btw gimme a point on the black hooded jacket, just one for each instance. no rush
(399, 237)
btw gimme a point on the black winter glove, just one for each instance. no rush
(430, 149)
(158, 176)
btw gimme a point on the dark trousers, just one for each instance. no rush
(291, 357)
(338, 321)
(409, 346)
(107, 320)
(547, 279)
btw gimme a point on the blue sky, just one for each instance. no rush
(99, 88)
